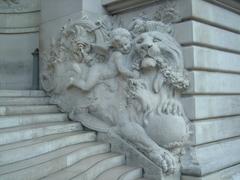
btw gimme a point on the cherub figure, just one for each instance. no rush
(121, 47)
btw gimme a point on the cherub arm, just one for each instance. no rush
(118, 59)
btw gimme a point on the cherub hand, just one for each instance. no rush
(165, 160)
(70, 82)
(135, 74)
(172, 106)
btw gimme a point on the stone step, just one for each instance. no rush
(20, 120)
(100, 167)
(213, 157)
(34, 141)
(21, 93)
(26, 152)
(23, 101)
(231, 173)
(16, 134)
(19, 110)
(52, 162)
(121, 173)
(89, 168)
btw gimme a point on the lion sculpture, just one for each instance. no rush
(143, 107)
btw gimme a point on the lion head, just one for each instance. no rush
(160, 50)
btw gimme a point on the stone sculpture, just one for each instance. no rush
(123, 82)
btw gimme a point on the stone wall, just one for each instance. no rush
(19, 26)
(210, 38)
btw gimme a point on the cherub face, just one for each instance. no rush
(122, 44)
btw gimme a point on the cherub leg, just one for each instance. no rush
(92, 80)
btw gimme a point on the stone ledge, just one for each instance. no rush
(231, 5)
(208, 13)
(211, 130)
(213, 157)
(225, 173)
(117, 6)
(197, 33)
(19, 21)
(18, 30)
(204, 82)
(207, 106)
(200, 58)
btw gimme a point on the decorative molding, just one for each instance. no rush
(232, 5)
(19, 22)
(19, 30)
(118, 6)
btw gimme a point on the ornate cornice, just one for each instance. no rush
(117, 6)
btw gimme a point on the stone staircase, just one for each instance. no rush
(39, 142)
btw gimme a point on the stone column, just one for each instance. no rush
(19, 26)
(210, 36)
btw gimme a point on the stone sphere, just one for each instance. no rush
(166, 129)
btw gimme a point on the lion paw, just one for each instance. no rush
(172, 106)
(165, 160)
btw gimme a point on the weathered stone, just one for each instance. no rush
(97, 168)
(54, 162)
(208, 13)
(22, 153)
(203, 82)
(212, 157)
(206, 106)
(228, 173)
(29, 109)
(52, 10)
(26, 20)
(12, 121)
(88, 164)
(6, 101)
(118, 6)
(200, 58)
(16, 93)
(62, 161)
(16, 60)
(16, 134)
(196, 33)
(123, 172)
(211, 130)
